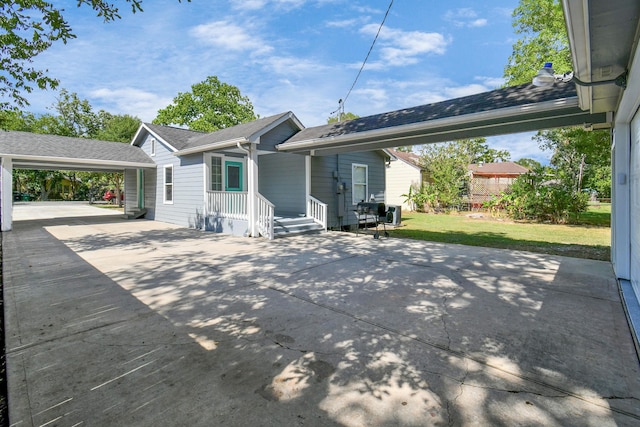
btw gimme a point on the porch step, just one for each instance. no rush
(135, 213)
(290, 226)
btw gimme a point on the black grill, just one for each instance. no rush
(372, 212)
(371, 208)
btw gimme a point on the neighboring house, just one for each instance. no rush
(403, 172)
(491, 179)
(235, 181)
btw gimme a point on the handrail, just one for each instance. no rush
(318, 211)
(228, 204)
(266, 215)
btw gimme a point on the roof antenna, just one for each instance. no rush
(340, 109)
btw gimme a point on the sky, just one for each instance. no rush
(288, 55)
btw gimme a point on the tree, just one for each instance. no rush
(446, 166)
(211, 105)
(543, 38)
(30, 27)
(581, 159)
(478, 151)
(530, 164)
(344, 117)
(119, 128)
(75, 118)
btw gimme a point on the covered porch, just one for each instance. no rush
(263, 192)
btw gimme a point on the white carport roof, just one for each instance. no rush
(508, 110)
(39, 151)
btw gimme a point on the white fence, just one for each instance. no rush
(234, 205)
(266, 214)
(318, 211)
(231, 205)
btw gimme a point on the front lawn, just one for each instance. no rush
(590, 239)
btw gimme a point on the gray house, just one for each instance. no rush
(236, 181)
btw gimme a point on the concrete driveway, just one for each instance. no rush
(139, 323)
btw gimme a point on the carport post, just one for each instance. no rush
(6, 193)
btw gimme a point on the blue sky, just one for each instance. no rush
(298, 55)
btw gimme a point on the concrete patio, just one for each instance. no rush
(140, 323)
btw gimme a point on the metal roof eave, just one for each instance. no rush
(212, 147)
(559, 112)
(87, 164)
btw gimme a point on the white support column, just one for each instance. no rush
(307, 183)
(6, 195)
(252, 189)
(620, 207)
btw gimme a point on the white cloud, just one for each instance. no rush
(400, 47)
(465, 17)
(248, 4)
(292, 66)
(275, 4)
(127, 100)
(345, 23)
(520, 146)
(466, 90)
(229, 36)
(490, 82)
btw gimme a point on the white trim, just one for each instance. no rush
(47, 160)
(213, 146)
(392, 132)
(164, 185)
(207, 171)
(6, 203)
(153, 134)
(576, 15)
(152, 149)
(353, 183)
(621, 162)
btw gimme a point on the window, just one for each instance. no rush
(153, 146)
(168, 184)
(359, 183)
(215, 167)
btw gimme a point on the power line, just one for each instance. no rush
(342, 101)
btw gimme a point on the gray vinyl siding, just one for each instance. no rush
(188, 188)
(130, 189)
(324, 185)
(281, 133)
(281, 180)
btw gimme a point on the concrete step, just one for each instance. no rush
(291, 226)
(135, 213)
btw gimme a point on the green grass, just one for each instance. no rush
(591, 238)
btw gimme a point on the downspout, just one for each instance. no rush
(251, 190)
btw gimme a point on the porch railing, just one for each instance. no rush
(227, 204)
(318, 211)
(266, 214)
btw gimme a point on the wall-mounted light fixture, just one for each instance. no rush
(547, 77)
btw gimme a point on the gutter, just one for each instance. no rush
(463, 120)
(213, 146)
(76, 161)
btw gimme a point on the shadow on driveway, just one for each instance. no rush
(112, 322)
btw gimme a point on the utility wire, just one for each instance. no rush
(366, 58)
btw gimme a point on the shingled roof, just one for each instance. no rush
(409, 158)
(507, 110)
(183, 140)
(498, 168)
(39, 150)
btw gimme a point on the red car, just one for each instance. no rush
(111, 195)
